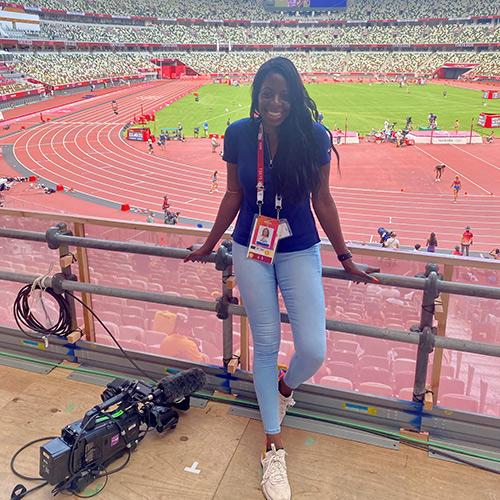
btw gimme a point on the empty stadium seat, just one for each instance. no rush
(374, 374)
(459, 402)
(342, 369)
(336, 382)
(449, 385)
(378, 361)
(403, 365)
(403, 379)
(406, 393)
(376, 389)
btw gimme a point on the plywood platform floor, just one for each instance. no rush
(226, 449)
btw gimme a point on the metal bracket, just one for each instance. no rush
(222, 306)
(426, 339)
(57, 280)
(51, 235)
(223, 258)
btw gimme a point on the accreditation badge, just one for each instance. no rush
(264, 239)
(284, 230)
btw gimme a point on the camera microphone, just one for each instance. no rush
(181, 385)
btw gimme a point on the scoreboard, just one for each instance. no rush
(310, 4)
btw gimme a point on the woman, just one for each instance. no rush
(432, 242)
(456, 185)
(495, 253)
(283, 146)
(215, 183)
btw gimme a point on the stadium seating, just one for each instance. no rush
(340, 35)
(55, 69)
(248, 9)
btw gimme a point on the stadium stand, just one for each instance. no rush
(63, 68)
(248, 9)
(57, 69)
(400, 44)
(406, 34)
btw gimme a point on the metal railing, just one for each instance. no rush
(424, 335)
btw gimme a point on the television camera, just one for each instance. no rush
(115, 427)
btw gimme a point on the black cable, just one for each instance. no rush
(154, 379)
(25, 318)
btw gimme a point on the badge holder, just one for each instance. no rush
(264, 239)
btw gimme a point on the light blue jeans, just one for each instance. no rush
(298, 275)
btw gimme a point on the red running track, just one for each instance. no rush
(380, 185)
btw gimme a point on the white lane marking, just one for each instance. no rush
(477, 157)
(453, 170)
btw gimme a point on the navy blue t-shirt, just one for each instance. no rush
(240, 147)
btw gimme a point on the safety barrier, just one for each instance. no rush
(421, 414)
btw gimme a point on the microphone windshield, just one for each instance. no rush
(182, 384)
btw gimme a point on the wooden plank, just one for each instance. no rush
(441, 331)
(328, 468)
(244, 342)
(84, 276)
(207, 436)
(13, 382)
(227, 451)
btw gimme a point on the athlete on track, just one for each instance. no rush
(456, 185)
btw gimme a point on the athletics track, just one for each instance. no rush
(81, 148)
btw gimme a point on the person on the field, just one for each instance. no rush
(114, 106)
(490, 137)
(205, 129)
(215, 183)
(162, 140)
(456, 127)
(289, 151)
(150, 145)
(456, 186)
(166, 204)
(466, 241)
(399, 138)
(432, 242)
(439, 171)
(180, 133)
(214, 143)
(392, 241)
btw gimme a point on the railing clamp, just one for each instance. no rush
(223, 257)
(222, 306)
(53, 232)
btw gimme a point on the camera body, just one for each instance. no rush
(86, 447)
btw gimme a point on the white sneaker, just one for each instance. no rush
(274, 478)
(285, 403)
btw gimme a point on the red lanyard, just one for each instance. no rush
(260, 175)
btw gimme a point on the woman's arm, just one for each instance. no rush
(326, 211)
(228, 209)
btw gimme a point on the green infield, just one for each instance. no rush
(363, 106)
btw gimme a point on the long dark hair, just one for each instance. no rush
(432, 241)
(297, 161)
